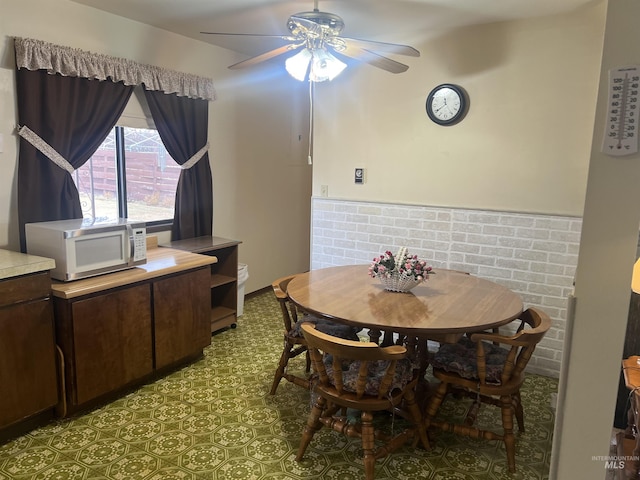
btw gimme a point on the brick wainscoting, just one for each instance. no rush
(533, 255)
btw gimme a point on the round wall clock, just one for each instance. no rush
(447, 104)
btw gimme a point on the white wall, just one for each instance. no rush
(607, 253)
(255, 168)
(524, 145)
(273, 188)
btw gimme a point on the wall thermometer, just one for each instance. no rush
(623, 112)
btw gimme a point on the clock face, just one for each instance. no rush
(446, 104)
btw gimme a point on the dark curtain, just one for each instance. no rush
(182, 124)
(74, 116)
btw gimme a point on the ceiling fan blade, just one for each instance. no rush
(374, 59)
(383, 47)
(265, 56)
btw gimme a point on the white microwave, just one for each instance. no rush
(85, 248)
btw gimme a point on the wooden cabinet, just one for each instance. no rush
(224, 276)
(181, 316)
(118, 337)
(106, 340)
(28, 373)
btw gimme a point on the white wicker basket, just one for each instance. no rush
(398, 283)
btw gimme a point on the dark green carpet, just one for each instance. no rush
(216, 420)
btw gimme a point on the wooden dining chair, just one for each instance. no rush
(366, 377)
(294, 342)
(489, 368)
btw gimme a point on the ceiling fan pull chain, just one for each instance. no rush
(311, 94)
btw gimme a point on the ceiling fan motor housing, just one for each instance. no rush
(331, 24)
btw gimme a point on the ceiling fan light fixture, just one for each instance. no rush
(325, 66)
(319, 63)
(298, 64)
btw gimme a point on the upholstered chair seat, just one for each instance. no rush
(325, 326)
(376, 372)
(460, 358)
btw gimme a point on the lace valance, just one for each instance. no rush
(72, 62)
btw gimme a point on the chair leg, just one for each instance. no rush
(517, 402)
(507, 424)
(368, 445)
(282, 365)
(313, 425)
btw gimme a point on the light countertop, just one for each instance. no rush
(160, 261)
(14, 264)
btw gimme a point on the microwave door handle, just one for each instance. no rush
(132, 246)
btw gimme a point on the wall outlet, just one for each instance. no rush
(324, 190)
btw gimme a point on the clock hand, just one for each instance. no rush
(437, 110)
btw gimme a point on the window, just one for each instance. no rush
(131, 175)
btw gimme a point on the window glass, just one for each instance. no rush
(96, 182)
(150, 179)
(152, 176)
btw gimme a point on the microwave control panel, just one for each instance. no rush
(139, 244)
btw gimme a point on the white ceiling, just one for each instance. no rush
(395, 21)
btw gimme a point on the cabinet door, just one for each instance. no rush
(27, 361)
(112, 341)
(181, 316)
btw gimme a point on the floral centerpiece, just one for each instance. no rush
(399, 273)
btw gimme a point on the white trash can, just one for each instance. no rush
(243, 274)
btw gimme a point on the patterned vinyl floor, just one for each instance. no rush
(215, 420)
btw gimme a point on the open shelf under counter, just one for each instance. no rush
(218, 280)
(224, 275)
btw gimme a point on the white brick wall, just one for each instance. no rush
(533, 255)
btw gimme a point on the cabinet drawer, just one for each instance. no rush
(24, 289)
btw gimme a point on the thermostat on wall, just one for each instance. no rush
(359, 175)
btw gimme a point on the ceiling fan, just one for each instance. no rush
(315, 36)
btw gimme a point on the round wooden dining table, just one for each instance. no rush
(443, 308)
